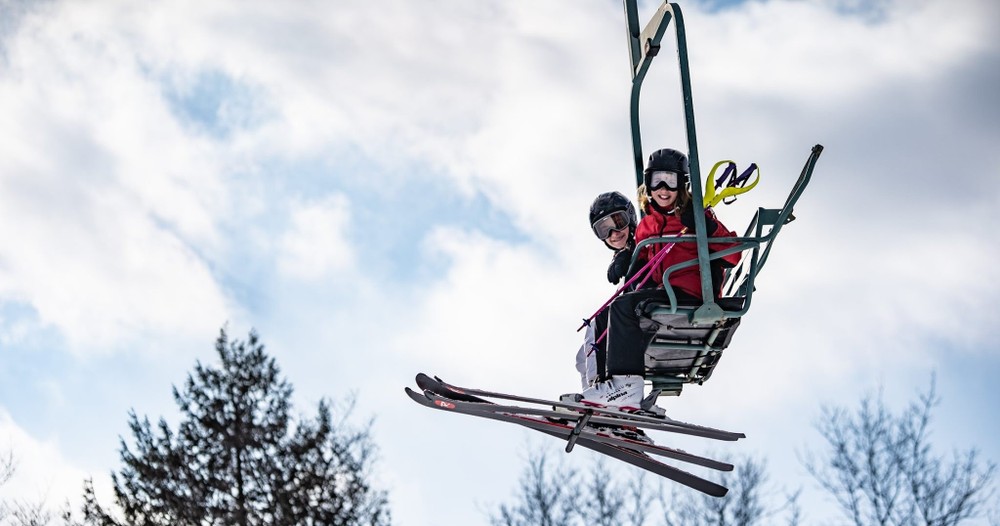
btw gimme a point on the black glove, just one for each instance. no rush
(687, 219)
(619, 265)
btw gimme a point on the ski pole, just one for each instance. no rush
(659, 257)
(712, 184)
(736, 186)
(648, 274)
(646, 269)
(730, 171)
(745, 176)
(739, 184)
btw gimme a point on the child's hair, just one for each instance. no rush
(684, 197)
(643, 198)
(646, 203)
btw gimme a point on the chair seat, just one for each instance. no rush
(681, 353)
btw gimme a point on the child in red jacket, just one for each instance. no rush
(669, 213)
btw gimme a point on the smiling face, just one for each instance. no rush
(618, 239)
(664, 197)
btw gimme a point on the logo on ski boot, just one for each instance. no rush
(616, 395)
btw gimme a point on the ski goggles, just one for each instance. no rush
(659, 179)
(612, 222)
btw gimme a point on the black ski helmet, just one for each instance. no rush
(611, 202)
(666, 160)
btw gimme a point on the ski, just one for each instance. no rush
(587, 429)
(600, 415)
(624, 452)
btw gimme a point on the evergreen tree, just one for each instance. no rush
(234, 459)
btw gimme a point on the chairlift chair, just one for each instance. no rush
(690, 337)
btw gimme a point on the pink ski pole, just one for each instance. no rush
(646, 269)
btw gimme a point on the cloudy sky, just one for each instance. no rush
(386, 187)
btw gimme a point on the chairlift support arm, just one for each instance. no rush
(690, 339)
(643, 47)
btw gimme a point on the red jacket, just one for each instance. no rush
(687, 279)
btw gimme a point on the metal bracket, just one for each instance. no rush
(580, 424)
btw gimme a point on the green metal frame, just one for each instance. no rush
(755, 244)
(644, 46)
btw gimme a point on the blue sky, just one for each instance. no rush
(382, 188)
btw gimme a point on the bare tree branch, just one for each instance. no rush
(545, 497)
(880, 469)
(7, 466)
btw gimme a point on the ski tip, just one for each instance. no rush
(417, 395)
(425, 382)
(425, 398)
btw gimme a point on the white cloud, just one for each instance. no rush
(103, 269)
(108, 204)
(42, 475)
(784, 49)
(498, 313)
(316, 243)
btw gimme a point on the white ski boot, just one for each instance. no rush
(619, 391)
(622, 392)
